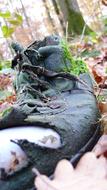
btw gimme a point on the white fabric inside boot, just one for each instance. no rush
(12, 157)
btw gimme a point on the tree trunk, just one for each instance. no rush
(49, 16)
(27, 20)
(73, 16)
(59, 14)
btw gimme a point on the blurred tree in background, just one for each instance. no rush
(24, 21)
(73, 16)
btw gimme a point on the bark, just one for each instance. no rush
(59, 14)
(49, 16)
(27, 20)
(73, 16)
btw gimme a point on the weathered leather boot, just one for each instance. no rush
(54, 117)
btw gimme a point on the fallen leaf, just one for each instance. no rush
(102, 107)
(89, 174)
(101, 146)
(104, 122)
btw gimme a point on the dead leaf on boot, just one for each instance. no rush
(101, 146)
(90, 174)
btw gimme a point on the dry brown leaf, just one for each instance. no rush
(104, 2)
(102, 107)
(6, 84)
(101, 146)
(5, 80)
(90, 174)
(98, 78)
(104, 123)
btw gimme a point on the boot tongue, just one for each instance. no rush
(52, 40)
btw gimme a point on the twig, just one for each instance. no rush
(81, 39)
(83, 32)
(66, 34)
(101, 88)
